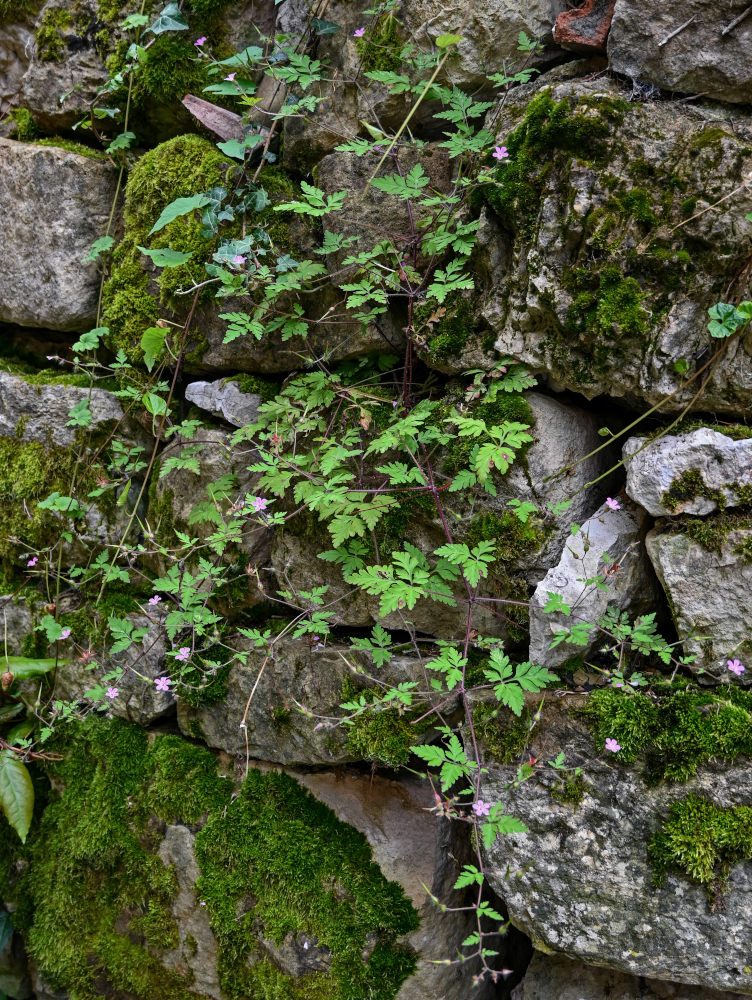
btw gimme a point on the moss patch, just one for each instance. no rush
(689, 486)
(702, 841)
(712, 532)
(26, 129)
(380, 48)
(504, 735)
(72, 147)
(676, 733)
(96, 897)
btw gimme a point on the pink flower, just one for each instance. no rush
(238, 260)
(112, 692)
(618, 684)
(481, 808)
(612, 745)
(612, 504)
(359, 32)
(200, 41)
(185, 652)
(163, 683)
(230, 76)
(33, 562)
(65, 633)
(155, 600)
(500, 153)
(735, 667)
(259, 504)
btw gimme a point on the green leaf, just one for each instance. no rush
(169, 20)
(30, 666)
(167, 257)
(237, 148)
(100, 246)
(177, 208)
(80, 414)
(154, 404)
(444, 41)
(322, 27)
(90, 341)
(151, 344)
(16, 793)
(122, 141)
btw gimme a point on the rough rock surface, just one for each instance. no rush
(585, 275)
(48, 238)
(489, 34)
(582, 883)
(16, 43)
(32, 412)
(16, 622)
(710, 593)
(695, 473)
(14, 977)
(138, 700)
(555, 977)
(224, 399)
(301, 675)
(701, 59)
(585, 28)
(616, 534)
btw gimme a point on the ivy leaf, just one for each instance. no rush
(167, 257)
(322, 27)
(151, 344)
(16, 793)
(170, 19)
(181, 206)
(25, 666)
(90, 341)
(122, 141)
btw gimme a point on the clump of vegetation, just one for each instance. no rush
(504, 736)
(676, 732)
(702, 841)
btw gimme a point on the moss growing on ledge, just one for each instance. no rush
(712, 532)
(702, 841)
(380, 48)
(687, 487)
(504, 735)
(675, 733)
(95, 902)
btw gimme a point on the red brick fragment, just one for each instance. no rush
(585, 29)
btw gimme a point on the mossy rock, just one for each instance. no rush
(98, 898)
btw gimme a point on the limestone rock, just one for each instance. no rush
(616, 535)
(556, 977)
(16, 43)
(16, 622)
(696, 473)
(582, 883)
(590, 264)
(301, 675)
(585, 29)
(709, 587)
(30, 411)
(225, 399)
(138, 700)
(701, 59)
(489, 34)
(53, 205)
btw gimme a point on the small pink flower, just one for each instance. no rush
(185, 652)
(65, 633)
(359, 32)
(735, 667)
(238, 260)
(618, 684)
(259, 504)
(231, 76)
(612, 745)
(33, 562)
(500, 153)
(112, 692)
(200, 41)
(163, 683)
(155, 600)
(612, 504)
(481, 808)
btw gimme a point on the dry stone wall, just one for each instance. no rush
(228, 837)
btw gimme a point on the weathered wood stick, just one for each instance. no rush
(676, 31)
(737, 20)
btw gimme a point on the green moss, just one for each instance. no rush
(504, 735)
(513, 539)
(508, 406)
(95, 899)
(613, 309)
(676, 733)
(266, 388)
(448, 336)
(399, 521)
(72, 147)
(702, 841)
(712, 532)
(382, 736)
(637, 204)
(687, 487)
(29, 472)
(338, 896)
(17, 10)
(380, 48)
(26, 129)
(50, 45)
(546, 130)
(709, 137)
(569, 791)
